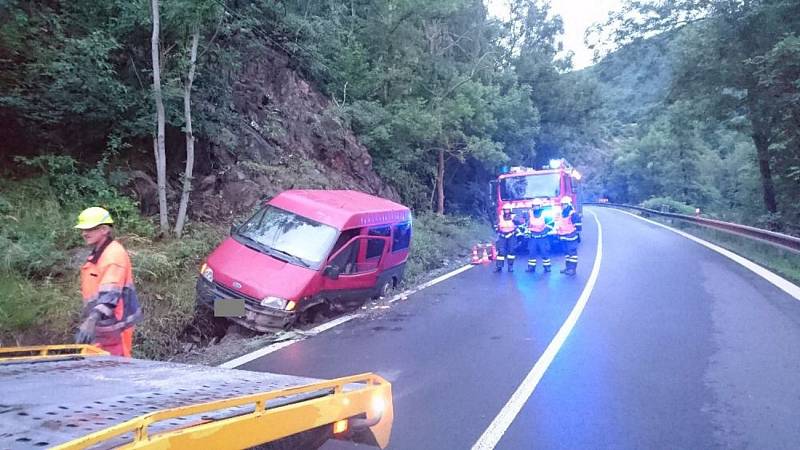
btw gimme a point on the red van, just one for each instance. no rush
(306, 249)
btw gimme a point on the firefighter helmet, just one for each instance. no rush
(506, 208)
(93, 217)
(537, 202)
(566, 200)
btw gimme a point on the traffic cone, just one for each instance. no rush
(493, 253)
(475, 258)
(485, 257)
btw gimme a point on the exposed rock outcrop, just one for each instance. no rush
(287, 137)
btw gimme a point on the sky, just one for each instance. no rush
(577, 15)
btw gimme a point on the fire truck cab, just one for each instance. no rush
(518, 186)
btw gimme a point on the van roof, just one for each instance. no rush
(341, 209)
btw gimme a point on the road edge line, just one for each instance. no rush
(246, 358)
(508, 413)
(772, 277)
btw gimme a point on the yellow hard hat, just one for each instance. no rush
(566, 200)
(92, 217)
(537, 202)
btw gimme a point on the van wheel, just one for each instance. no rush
(386, 288)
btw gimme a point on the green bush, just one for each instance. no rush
(37, 214)
(436, 239)
(667, 204)
(75, 189)
(34, 232)
(44, 310)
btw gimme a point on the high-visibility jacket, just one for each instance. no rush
(539, 226)
(506, 226)
(565, 226)
(107, 287)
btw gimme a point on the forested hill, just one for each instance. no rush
(418, 100)
(635, 80)
(704, 112)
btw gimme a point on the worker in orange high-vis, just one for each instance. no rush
(110, 306)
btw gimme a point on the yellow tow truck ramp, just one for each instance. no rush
(79, 397)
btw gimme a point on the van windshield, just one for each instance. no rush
(530, 186)
(285, 235)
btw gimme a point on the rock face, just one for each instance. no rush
(286, 137)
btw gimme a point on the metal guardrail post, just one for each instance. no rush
(784, 241)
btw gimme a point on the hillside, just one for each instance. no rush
(635, 79)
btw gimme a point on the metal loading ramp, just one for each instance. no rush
(57, 400)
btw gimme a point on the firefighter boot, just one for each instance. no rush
(546, 265)
(498, 266)
(531, 267)
(571, 266)
(510, 265)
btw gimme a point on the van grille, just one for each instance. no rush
(224, 292)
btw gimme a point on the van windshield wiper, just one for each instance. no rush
(253, 244)
(290, 256)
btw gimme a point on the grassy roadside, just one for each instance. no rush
(40, 257)
(783, 262)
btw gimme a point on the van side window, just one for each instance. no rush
(402, 236)
(375, 246)
(344, 238)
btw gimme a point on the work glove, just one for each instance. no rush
(85, 334)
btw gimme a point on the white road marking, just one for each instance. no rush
(503, 420)
(405, 294)
(244, 359)
(777, 280)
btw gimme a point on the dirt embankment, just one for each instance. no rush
(285, 134)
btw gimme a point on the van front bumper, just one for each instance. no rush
(256, 318)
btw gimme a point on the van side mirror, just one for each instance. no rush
(332, 271)
(234, 226)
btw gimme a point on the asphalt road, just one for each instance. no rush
(678, 347)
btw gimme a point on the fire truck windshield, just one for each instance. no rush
(530, 186)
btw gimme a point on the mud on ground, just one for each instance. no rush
(238, 341)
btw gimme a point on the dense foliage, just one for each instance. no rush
(698, 102)
(716, 125)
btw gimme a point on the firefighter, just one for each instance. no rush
(507, 231)
(110, 305)
(539, 230)
(567, 230)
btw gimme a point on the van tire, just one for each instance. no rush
(386, 288)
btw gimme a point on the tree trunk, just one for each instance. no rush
(761, 124)
(160, 152)
(762, 154)
(187, 111)
(440, 184)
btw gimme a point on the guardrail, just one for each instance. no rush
(784, 241)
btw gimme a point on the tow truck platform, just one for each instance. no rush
(71, 397)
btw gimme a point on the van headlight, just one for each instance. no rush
(207, 272)
(277, 303)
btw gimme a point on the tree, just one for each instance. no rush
(722, 36)
(159, 139)
(197, 15)
(187, 106)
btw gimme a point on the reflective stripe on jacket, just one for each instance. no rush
(505, 226)
(539, 226)
(566, 228)
(107, 287)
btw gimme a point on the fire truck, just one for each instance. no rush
(518, 186)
